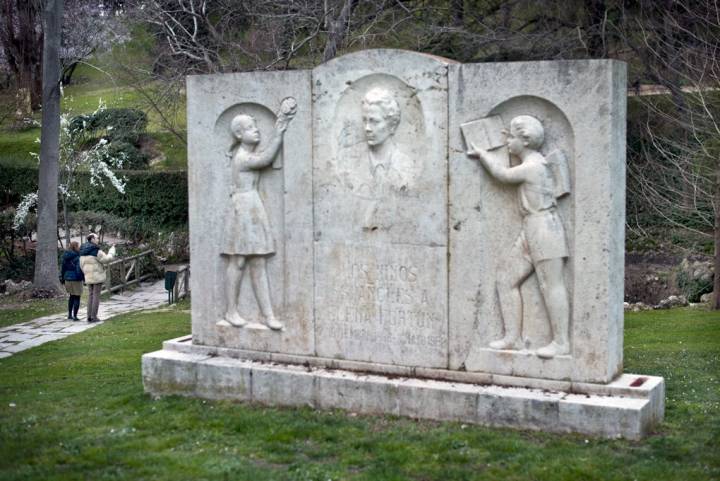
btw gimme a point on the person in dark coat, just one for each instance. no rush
(72, 276)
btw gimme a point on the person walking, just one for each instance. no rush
(72, 277)
(92, 263)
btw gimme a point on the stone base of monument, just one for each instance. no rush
(628, 407)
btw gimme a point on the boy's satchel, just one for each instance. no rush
(560, 171)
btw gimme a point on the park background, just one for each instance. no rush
(123, 167)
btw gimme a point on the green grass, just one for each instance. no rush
(84, 416)
(14, 311)
(15, 147)
(80, 99)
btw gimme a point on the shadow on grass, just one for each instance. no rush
(75, 409)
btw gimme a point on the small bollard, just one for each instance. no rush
(170, 278)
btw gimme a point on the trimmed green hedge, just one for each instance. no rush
(158, 198)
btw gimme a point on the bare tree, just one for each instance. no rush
(675, 166)
(89, 27)
(46, 268)
(202, 36)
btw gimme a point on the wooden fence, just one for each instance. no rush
(122, 273)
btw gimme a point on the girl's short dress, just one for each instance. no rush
(248, 231)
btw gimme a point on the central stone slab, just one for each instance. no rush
(380, 182)
(401, 214)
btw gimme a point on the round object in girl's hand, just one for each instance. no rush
(288, 106)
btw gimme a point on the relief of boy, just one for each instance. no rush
(541, 246)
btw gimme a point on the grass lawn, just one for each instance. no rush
(15, 147)
(15, 311)
(75, 409)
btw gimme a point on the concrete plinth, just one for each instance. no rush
(629, 407)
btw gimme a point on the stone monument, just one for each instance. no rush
(421, 238)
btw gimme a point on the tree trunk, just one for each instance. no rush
(716, 280)
(68, 73)
(46, 262)
(337, 28)
(66, 222)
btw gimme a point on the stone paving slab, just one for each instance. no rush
(26, 335)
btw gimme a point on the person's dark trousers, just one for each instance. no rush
(93, 301)
(73, 306)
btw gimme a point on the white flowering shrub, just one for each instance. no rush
(96, 159)
(21, 213)
(79, 152)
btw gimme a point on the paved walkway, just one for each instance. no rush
(19, 337)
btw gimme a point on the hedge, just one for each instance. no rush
(158, 198)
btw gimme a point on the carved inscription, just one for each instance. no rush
(388, 309)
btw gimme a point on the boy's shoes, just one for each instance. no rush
(274, 324)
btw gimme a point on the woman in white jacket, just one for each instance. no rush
(92, 263)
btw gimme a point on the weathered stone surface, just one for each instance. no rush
(458, 228)
(283, 385)
(169, 372)
(367, 394)
(508, 407)
(220, 378)
(614, 415)
(421, 398)
(581, 105)
(285, 190)
(380, 216)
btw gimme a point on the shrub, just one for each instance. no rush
(116, 125)
(121, 128)
(20, 268)
(157, 199)
(150, 198)
(15, 182)
(172, 246)
(134, 159)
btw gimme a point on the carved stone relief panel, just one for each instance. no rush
(251, 211)
(380, 133)
(248, 236)
(529, 269)
(383, 241)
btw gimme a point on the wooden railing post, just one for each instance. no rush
(125, 281)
